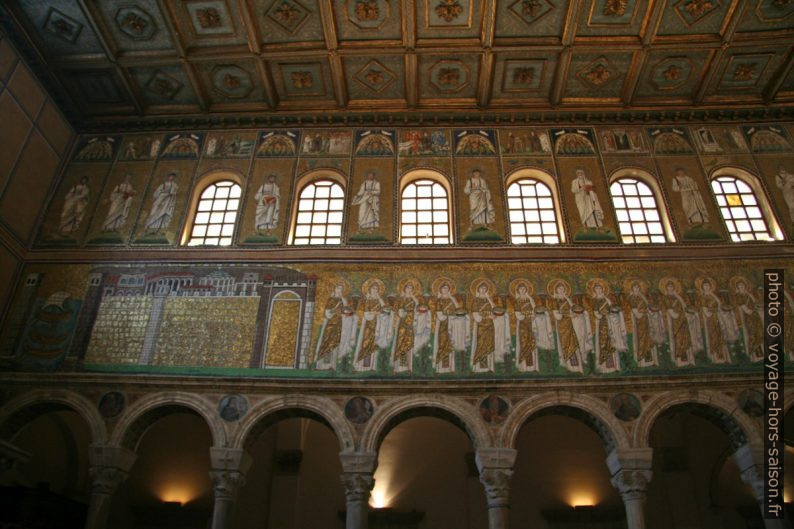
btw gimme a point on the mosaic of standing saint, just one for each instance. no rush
(533, 325)
(490, 335)
(572, 326)
(376, 325)
(719, 324)
(609, 324)
(647, 323)
(74, 206)
(119, 206)
(368, 201)
(451, 330)
(268, 204)
(412, 327)
(338, 330)
(750, 317)
(683, 325)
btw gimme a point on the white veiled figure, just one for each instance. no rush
(120, 200)
(268, 204)
(481, 209)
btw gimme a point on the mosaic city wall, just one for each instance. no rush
(429, 320)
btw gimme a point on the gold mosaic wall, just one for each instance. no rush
(209, 332)
(119, 330)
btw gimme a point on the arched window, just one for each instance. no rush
(532, 208)
(215, 214)
(640, 220)
(318, 218)
(424, 210)
(746, 214)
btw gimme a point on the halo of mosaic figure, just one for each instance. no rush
(439, 327)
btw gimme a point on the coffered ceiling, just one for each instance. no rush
(113, 60)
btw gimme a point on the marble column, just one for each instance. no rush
(357, 471)
(631, 473)
(749, 459)
(108, 468)
(496, 469)
(229, 467)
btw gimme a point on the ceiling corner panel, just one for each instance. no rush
(62, 27)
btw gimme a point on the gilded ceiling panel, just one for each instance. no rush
(530, 18)
(282, 21)
(669, 73)
(611, 17)
(368, 19)
(597, 75)
(375, 77)
(136, 27)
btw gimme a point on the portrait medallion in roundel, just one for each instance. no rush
(625, 406)
(111, 404)
(358, 410)
(232, 407)
(493, 409)
(751, 402)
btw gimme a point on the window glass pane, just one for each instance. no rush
(418, 214)
(531, 215)
(636, 210)
(738, 204)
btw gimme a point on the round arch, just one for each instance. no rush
(758, 189)
(143, 413)
(322, 407)
(652, 181)
(435, 176)
(547, 179)
(383, 419)
(588, 409)
(305, 179)
(728, 409)
(24, 408)
(210, 177)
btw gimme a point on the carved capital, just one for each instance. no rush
(105, 480)
(357, 486)
(632, 484)
(226, 483)
(497, 485)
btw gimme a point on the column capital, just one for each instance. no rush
(749, 460)
(226, 483)
(105, 480)
(631, 484)
(495, 458)
(497, 486)
(357, 485)
(358, 462)
(230, 459)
